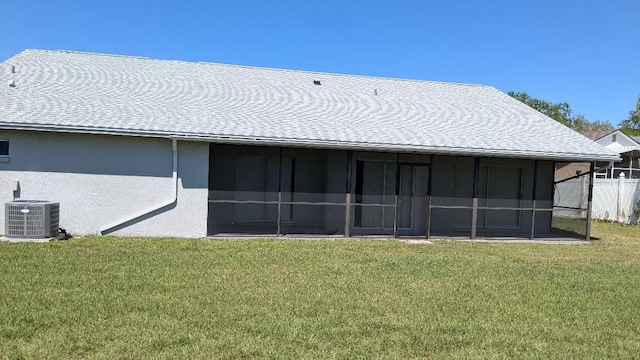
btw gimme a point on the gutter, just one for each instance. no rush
(414, 149)
(323, 144)
(174, 197)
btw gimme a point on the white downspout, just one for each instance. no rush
(174, 195)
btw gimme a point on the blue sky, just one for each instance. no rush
(585, 52)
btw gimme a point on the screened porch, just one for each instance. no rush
(299, 192)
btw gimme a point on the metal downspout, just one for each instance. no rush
(174, 195)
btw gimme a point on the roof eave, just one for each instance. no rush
(325, 144)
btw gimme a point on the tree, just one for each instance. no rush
(561, 112)
(581, 124)
(631, 126)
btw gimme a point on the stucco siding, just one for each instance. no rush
(100, 180)
(567, 170)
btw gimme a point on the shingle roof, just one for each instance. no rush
(597, 134)
(622, 149)
(97, 93)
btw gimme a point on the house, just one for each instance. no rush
(628, 147)
(141, 147)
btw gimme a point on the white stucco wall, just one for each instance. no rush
(100, 179)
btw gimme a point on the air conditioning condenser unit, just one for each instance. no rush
(31, 219)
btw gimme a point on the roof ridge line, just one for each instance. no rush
(315, 72)
(92, 53)
(333, 73)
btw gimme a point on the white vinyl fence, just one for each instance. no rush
(613, 199)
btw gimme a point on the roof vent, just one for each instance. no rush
(13, 69)
(316, 82)
(12, 83)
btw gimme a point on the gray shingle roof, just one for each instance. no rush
(97, 93)
(597, 134)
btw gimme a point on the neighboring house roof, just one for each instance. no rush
(597, 134)
(97, 93)
(622, 149)
(622, 144)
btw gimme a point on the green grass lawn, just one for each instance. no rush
(103, 297)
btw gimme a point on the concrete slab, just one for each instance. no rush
(407, 240)
(20, 240)
(523, 241)
(416, 241)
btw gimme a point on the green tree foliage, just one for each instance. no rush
(561, 112)
(631, 126)
(581, 124)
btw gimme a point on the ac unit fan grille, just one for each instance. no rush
(31, 219)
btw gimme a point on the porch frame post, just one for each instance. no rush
(610, 169)
(347, 198)
(427, 231)
(533, 201)
(396, 205)
(474, 209)
(592, 168)
(279, 190)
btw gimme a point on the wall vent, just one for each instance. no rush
(31, 219)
